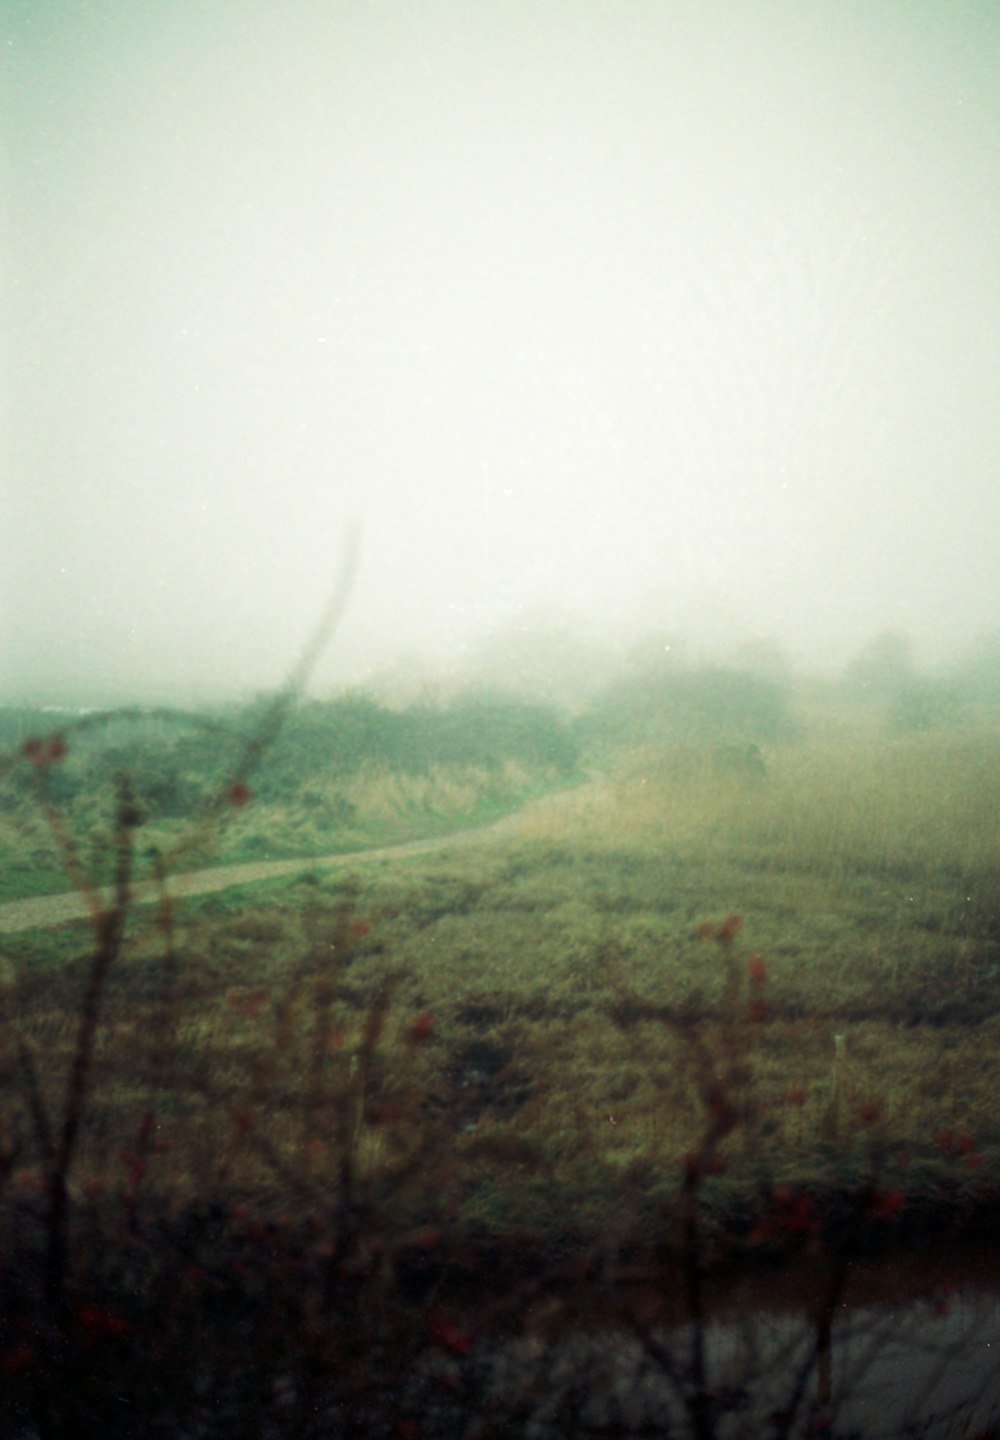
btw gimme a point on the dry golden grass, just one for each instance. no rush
(841, 801)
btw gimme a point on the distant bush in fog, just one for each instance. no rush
(711, 704)
(922, 705)
(976, 677)
(883, 673)
(882, 667)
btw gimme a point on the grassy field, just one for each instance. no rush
(690, 1006)
(582, 1003)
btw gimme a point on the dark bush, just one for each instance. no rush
(336, 737)
(922, 705)
(713, 704)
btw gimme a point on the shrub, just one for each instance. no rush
(705, 705)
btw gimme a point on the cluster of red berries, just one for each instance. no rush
(960, 1147)
(42, 752)
(722, 931)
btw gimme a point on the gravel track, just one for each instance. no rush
(44, 911)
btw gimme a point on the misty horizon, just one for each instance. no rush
(617, 320)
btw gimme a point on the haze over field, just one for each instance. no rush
(651, 315)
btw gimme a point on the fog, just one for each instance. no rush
(613, 315)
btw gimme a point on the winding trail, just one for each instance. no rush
(44, 911)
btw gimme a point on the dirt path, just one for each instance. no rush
(43, 911)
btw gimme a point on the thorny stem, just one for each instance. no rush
(339, 947)
(826, 1311)
(268, 727)
(57, 1143)
(36, 1104)
(110, 928)
(166, 1012)
(164, 1037)
(700, 1403)
(75, 871)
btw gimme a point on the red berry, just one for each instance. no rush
(422, 1028)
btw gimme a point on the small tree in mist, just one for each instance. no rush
(884, 673)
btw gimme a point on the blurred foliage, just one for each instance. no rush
(709, 704)
(922, 704)
(335, 738)
(882, 667)
(976, 676)
(884, 673)
(349, 771)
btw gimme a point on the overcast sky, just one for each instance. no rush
(653, 313)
